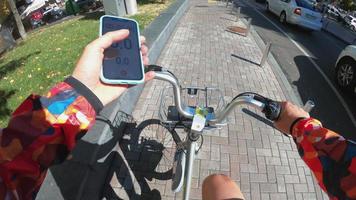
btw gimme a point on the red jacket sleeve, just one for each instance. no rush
(331, 157)
(40, 131)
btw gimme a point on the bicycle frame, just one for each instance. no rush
(190, 146)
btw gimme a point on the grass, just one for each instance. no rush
(49, 55)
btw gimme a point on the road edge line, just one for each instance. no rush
(316, 66)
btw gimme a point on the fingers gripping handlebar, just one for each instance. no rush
(270, 108)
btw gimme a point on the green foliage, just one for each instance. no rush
(347, 5)
(4, 10)
(49, 55)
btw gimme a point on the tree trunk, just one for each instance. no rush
(17, 17)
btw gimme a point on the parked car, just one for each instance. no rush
(351, 22)
(345, 69)
(333, 12)
(300, 12)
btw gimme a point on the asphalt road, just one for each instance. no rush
(306, 80)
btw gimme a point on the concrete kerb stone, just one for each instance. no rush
(276, 68)
(156, 35)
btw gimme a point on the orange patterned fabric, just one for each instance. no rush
(39, 129)
(331, 157)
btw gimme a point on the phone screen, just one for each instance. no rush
(122, 60)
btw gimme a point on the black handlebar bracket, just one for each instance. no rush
(155, 68)
(272, 109)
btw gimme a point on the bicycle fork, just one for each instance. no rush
(185, 155)
(183, 167)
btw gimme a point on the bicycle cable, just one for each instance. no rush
(248, 93)
(201, 144)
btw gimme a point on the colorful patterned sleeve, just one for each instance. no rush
(331, 157)
(41, 132)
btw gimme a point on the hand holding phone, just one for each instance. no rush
(89, 65)
(122, 62)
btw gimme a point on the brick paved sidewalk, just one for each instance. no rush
(264, 163)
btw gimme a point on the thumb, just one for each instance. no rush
(149, 76)
(109, 38)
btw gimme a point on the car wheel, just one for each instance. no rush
(267, 7)
(346, 74)
(283, 17)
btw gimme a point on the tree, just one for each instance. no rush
(347, 4)
(17, 17)
(4, 10)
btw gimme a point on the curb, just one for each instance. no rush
(84, 176)
(276, 68)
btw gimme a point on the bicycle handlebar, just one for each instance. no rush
(270, 108)
(166, 76)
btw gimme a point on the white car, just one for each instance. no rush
(351, 22)
(333, 11)
(345, 69)
(300, 12)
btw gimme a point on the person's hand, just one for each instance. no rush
(89, 66)
(289, 114)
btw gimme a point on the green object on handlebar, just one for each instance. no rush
(201, 111)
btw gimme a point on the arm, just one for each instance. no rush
(41, 132)
(44, 129)
(331, 158)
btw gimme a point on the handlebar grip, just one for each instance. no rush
(155, 68)
(272, 110)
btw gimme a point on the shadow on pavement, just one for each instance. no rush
(244, 59)
(115, 174)
(327, 110)
(258, 117)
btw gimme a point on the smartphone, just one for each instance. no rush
(122, 62)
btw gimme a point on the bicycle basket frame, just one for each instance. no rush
(199, 96)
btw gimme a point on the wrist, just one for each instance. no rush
(295, 123)
(88, 94)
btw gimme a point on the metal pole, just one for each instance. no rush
(265, 53)
(248, 26)
(238, 14)
(189, 168)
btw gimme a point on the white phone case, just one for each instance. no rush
(116, 81)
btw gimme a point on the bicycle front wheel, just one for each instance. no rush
(159, 144)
